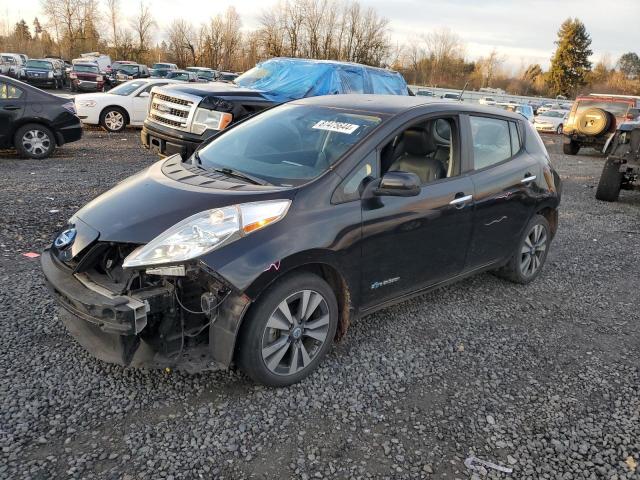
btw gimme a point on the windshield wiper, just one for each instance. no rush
(241, 175)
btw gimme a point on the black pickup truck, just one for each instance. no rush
(181, 117)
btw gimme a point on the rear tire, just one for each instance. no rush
(529, 258)
(34, 141)
(288, 330)
(571, 148)
(113, 119)
(610, 183)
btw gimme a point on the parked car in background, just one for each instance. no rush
(42, 73)
(103, 61)
(525, 110)
(452, 96)
(621, 171)
(183, 76)
(126, 104)
(15, 62)
(487, 101)
(115, 65)
(60, 66)
(291, 224)
(181, 117)
(206, 74)
(124, 73)
(35, 122)
(86, 77)
(593, 121)
(424, 93)
(8, 65)
(160, 70)
(227, 76)
(551, 121)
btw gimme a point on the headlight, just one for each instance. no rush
(87, 103)
(210, 119)
(205, 231)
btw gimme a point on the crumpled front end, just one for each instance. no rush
(185, 318)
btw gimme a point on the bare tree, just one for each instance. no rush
(143, 25)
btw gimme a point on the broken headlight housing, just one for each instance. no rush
(206, 119)
(205, 231)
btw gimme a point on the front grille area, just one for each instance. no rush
(171, 111)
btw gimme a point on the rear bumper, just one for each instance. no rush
(69, 133)
(165, 141)
(88, 85)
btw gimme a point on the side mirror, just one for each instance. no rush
(398, 184)
(143, 94)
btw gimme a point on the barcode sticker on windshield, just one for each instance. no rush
(339, 127)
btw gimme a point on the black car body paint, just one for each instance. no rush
(373, 250)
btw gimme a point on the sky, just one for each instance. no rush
(523, 31)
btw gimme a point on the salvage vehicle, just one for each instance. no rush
(34, 122)
(9, 65)
(86, 77)
(160, 70)
(621, 170)
(227, 76)
(551, 121)
(125, 72)
(593, 120)
(126, 104)
(182, 117)
(42, 73)
(270, 240)
(203, 73)
(183, 76)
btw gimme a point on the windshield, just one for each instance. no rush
(127, 88)
(128, 69)
(161, 66)
(43, 64)
(617, 108)
(85, 68)
(206, 73)
(178, 75)
(288, 145)
(8, 59)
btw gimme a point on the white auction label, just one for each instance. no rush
(339, 127)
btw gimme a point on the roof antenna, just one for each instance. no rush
(462, 92)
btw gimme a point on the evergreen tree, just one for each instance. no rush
(629, 65)
(37, 28)
(570, 64)
(21, 32)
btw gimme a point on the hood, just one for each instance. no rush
(141, 207)
(216, 89)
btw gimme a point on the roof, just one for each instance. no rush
(396, 104)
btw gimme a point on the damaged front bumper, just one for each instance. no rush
(146, 327)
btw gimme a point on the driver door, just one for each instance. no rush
(410, 243)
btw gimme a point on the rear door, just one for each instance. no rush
(12, 104)
(504, 179)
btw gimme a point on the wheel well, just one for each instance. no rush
(551, 214)
(24, 121)
(123, 110)
(339, 286)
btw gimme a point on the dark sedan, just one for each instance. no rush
(271, 239)
(34, 122)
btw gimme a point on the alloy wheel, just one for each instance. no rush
(295, 332)
(36, 142)
(114, 120)
(533, 251)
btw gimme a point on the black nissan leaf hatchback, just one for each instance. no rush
(263, 247)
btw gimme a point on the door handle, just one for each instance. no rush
(11, 107)
(528, 179)
(459, 202)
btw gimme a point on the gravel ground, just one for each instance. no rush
(543, 379)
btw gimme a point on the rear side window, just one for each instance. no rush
(491, 141)
(9, 92)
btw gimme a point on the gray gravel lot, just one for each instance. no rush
(542, 378)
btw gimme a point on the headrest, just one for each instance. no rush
(417, 142)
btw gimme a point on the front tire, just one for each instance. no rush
(34, 141)
(559, 129)
(527, 261)
(610, 183)
(288, 330)
(571, 148)
(113, 119)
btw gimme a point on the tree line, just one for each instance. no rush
(322, 29)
